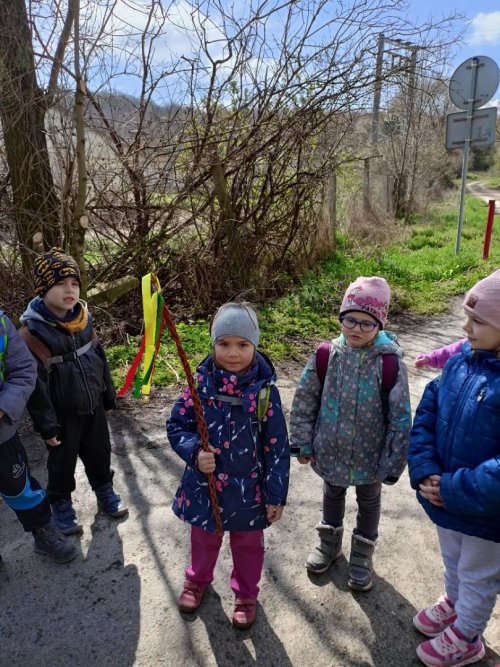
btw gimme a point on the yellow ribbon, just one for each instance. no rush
(151, 293)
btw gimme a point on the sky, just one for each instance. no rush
(176, 22)
(482, 22)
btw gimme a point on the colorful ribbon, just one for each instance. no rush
(152, 306)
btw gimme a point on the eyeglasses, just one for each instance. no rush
(366, 326)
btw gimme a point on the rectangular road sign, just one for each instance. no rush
(482, 130)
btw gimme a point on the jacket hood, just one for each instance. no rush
(32, 313)
(385, 342)
(486, 357)
(213, 381)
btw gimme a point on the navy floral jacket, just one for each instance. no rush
(252, 459)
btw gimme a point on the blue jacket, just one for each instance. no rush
(17, 377)
(456, 434)
(252, 460)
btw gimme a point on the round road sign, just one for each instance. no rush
(487, 77)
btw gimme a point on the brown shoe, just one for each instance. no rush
(244, 613)
(191, 596)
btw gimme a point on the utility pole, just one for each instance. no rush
(398, 46)
(377, 91)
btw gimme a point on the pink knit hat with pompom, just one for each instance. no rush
(369, 295)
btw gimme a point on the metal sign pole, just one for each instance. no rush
(470, 111)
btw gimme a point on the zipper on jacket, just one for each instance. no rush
(84, 376)
(458, 408)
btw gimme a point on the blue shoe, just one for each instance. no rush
(110, 502)
(64, 517)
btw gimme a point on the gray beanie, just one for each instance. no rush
(235, 319)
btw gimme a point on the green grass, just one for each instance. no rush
(493, 183)
(421, 267)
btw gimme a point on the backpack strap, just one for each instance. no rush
(322, 357)
(262, 404)
(42, 352)
(390, 369)
(69, 356)
(39, 349)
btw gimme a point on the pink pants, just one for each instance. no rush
(247, 549)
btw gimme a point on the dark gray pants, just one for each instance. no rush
(368, 497)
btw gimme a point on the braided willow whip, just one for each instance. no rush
(198, 412)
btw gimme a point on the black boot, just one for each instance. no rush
(50, 541)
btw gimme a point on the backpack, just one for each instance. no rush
(390, 368)
(262, 403)
(42, 352)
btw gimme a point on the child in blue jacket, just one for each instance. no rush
(249, 458)
(454, 464)
(18, 488)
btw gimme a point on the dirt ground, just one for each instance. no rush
(116, 603)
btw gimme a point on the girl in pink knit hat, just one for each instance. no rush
(454, 465)
(350, 420)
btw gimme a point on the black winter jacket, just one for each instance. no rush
(75, 386)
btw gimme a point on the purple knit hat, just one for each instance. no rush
(483, 300)
(369, 295)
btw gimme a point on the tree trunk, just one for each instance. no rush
(80, 220)
(22, 113)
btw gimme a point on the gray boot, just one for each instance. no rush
(360, 563)
(328, 549)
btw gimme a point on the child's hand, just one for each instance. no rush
(206, 460)
(274, 513)
(305, 459)
(421, 361)
(429, 489)
(53, 442)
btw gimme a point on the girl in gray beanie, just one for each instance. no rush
(249, 458)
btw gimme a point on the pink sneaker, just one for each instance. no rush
(191, 596)
(448, 650)
(436, 618)
(244, 613)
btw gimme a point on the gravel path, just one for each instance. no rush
(115, 605)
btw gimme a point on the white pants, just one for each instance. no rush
(471, 577)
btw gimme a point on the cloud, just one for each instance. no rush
(485, 28)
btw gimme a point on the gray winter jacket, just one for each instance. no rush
(17, 377)
(342, 424)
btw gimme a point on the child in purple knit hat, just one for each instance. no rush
(352, 426)
(454, 465)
